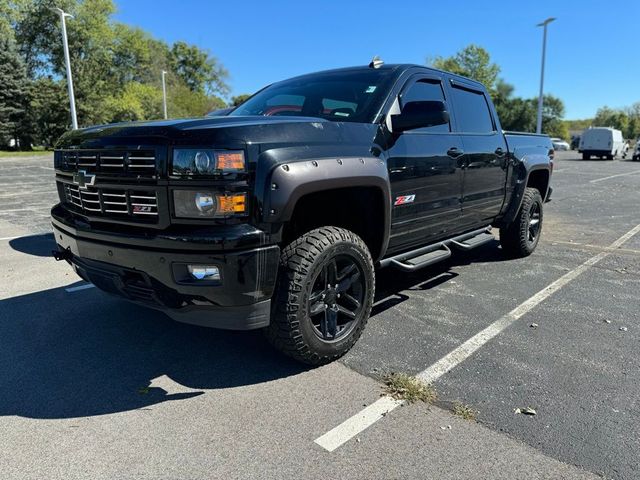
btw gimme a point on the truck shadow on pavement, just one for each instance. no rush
(38, 245)
(66, 355)
(84, 353)
(390, 282)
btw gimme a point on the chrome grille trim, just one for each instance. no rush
(136, 163)
(111, 202)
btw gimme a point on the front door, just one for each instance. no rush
(485, 156)
(425, 174)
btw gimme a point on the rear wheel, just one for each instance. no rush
(586, 156)
(324, 295)
(521, 237)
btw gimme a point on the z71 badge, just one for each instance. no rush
(142, 209)
(403, 199)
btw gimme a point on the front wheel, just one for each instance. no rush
(520, 238)
(324, 295)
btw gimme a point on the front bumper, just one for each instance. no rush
(156, 277)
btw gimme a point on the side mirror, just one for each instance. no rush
(419, 115)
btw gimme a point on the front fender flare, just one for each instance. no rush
(289, 182)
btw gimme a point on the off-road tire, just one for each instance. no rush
(291, 330)
(515, 238)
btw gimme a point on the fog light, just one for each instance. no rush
(205, 202)
(204, 272)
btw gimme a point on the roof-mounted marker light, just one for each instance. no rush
(376, 62)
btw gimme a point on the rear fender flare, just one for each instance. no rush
(522, 172)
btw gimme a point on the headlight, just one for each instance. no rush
(201, 161)
(204, 204)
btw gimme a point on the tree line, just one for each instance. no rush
(516, 113)
(117, 71)
(520, 114)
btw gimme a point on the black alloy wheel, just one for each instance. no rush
(535, 216)
(336, 297)
(520, 238)
(323, 296)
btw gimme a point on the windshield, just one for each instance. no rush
(341, 96)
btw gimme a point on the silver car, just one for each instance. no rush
(559, 144)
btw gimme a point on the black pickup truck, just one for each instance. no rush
(277, 214)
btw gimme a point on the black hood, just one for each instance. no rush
(218, 131)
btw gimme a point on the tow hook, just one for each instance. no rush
(62, 254)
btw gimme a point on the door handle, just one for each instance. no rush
(499, 152)
(454, 152)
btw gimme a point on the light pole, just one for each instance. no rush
(164, 93)
(544, 51)
(65, 43)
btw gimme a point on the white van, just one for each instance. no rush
(601, 142)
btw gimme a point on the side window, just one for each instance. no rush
(472, 111)
(424, 90)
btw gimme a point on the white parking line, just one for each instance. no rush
(374, 412)
(614, 176)
(80, 287)
(9, 238)
(11, 210)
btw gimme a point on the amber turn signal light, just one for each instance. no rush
(230, 204)
(230, 161)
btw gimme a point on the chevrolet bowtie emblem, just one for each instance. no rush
(83, 179)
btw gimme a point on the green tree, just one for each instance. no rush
(117, 69)
(38, 33)
(11, 12)
(625, 119)
(136, 101)
(182, 102)
(515, 113)
(239, 99)
(199, 71)
(47, 114)
(633, 128)
(13, 88)
(472, 61)
(552, 117)
(137, 56)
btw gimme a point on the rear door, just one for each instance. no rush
(426, 178)
(485, 154)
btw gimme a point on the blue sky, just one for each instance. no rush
(593, 58)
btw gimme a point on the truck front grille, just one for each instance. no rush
(138, 163)
(126, 204)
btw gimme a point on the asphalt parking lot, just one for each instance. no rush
(91, 386)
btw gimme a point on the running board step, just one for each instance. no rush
(473, 242)
(424, 260)
(436, 252)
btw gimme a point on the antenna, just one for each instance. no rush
(376, 62)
